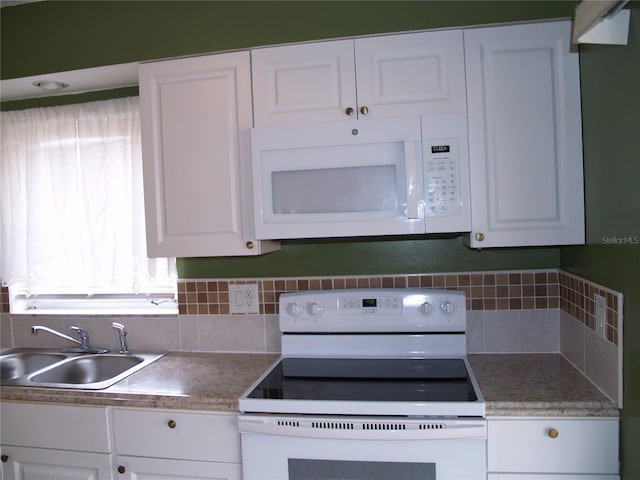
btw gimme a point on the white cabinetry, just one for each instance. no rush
(525, 143)
(394, 75)
(55, 442)
(181, 445)
(196, 116)
(552, 448)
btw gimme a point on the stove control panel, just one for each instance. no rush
(373, 310)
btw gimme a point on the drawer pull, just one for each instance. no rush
(4, 458)
(121, 469)
(171, 423)
(553, 433)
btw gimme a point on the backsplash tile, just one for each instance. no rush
(4, 299)
(508, 312)
(577, 298)
(502, 290)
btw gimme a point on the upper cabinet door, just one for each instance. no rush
(412, 74)
(313, 82)
(196, 116)
(525, 140)
(394, 75)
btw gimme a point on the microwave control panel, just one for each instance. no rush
(441, 177)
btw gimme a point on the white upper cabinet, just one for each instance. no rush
(196, 117)
(394, 75)
(525, 143)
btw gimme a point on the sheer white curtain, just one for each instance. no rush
(71, 201)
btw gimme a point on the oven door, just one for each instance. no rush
(324, 448)
(338, 179)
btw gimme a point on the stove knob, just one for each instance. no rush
(314, 309)
(447, 308)
(426, 308)
(294, 310)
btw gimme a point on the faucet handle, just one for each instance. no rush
(83, 336)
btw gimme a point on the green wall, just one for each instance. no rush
(53, 36)
(90, 34)
(610, 77)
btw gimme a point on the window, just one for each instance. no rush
(72, 231)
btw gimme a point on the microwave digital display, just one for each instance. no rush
(440, 149)
(369, 303)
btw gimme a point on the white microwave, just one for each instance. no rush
(393, 176)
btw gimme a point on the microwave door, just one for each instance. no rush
(364, 184)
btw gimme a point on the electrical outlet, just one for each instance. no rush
(243, 298)
(601, 314)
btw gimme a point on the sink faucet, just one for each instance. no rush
(122, 334)
(83, 339)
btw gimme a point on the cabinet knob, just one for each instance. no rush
(4, 458)
(250, 245)
(364, 110)
(121, 469)
(171, 424)
(553, 433)
(349, 111)
(479, 237)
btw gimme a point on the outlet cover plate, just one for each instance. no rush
(243, 298)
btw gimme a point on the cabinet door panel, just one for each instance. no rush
(312, 82)
(412, 74)
(524, 136)
(140, 468)
(43, 464)
(196, 116)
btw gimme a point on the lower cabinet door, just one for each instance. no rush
(142, 468)
(22, 463)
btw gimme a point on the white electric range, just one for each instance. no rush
(372, 384)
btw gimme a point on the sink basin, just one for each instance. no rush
(87, 369)
(15, 365)
(57, 370)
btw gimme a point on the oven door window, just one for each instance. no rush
(306, 469)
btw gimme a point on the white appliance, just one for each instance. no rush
(395, 176)
(372, 384)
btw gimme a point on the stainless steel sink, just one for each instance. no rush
(16, 365)
(57, 370)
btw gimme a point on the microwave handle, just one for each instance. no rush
(413, 178)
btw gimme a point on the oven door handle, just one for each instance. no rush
(362, 429)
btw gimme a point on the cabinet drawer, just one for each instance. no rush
(62, 427)
(177, 434)
(528, 446)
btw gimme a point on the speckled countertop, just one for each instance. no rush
(512, 385)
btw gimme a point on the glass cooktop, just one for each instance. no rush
(375, 379)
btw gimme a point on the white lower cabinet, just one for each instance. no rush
(22, 463)
(552, 448)
(154, 444)
(55, 442)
